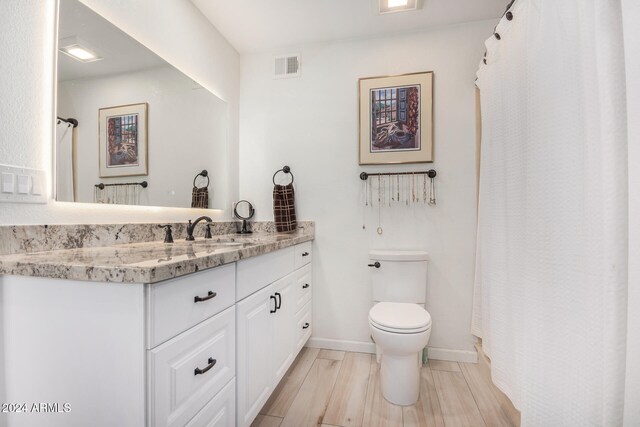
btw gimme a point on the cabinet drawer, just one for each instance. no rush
(303, 254)
(303, 287)
(187, 371)
(220, 411)
(172, 305)
(303, 326)
(257, 272)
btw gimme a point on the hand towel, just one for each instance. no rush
(200, 198)
(284, 210)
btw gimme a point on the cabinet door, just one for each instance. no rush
(283, 326)
(253, 356)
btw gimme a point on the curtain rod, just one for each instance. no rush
(71, 121)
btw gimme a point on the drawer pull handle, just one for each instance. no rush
(275, 301)
(305, 253)
(375, 264)
(279, 303)
(210, 295)
(306, 325)
(305, 286)
(212, 363)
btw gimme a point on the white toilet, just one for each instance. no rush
(399, 323)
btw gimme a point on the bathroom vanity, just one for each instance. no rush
(190, 333)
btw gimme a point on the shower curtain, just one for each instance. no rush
(64, 162)
(551, 266)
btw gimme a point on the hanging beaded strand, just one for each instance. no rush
(365, 204)
(424, 188)
(407, 187)
(366, 192)
(413, 188)
(379, 230)
(432, 192)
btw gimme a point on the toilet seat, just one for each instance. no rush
(397, 330)
(398, 317)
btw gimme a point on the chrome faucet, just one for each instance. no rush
(191, 226)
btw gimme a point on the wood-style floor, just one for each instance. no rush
(335, 388)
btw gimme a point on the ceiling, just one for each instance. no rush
(255, 25)
(122, 54)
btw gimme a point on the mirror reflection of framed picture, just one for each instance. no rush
(396, 119)
(123, 140)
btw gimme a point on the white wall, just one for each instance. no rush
(177, 32)
(187, 132)
(310, 123)
(631, 16)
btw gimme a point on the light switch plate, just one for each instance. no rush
(22, 185)
(8, 182)
(36, 188)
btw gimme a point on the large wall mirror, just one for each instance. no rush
(132, 129)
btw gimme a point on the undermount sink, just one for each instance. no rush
(219, 243)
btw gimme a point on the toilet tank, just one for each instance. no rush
(402, 276)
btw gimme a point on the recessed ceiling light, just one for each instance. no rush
(390, 6)
(78, 50)
(397, 3)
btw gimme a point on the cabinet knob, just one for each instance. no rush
(210, 295)
(375, 264)
(212, 363)
(305, 253)
(305, 286)
(306, 325)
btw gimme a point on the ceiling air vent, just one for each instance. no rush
(286, 66)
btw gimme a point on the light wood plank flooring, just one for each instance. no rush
(331, 388)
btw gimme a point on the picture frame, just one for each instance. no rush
(122, 139)
(396, 119)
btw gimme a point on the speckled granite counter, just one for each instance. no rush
(148, 261)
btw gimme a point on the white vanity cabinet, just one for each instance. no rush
(270, 332)
(204, 349)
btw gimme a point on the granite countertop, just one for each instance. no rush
(147, 262)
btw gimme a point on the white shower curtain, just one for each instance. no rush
(551, 273)
(64, 162)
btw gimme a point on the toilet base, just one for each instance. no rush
(400, 378)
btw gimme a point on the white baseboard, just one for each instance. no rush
(466, 356)
(343, 345)
(470, 356)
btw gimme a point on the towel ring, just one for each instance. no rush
(204, 174)
(285, 169)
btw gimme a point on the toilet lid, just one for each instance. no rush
(400, 316)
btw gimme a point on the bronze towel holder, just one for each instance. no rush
(285, 169)
(204, 174)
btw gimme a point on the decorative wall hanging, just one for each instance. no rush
(396, 119)
(121, 193)
(123, 140)
(397, 188)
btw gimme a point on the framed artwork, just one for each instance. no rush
(123, 140)
(396, 119)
